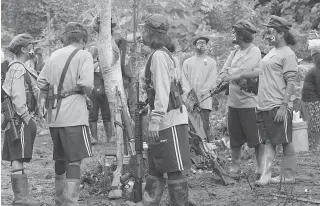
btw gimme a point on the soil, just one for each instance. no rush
(203, 186)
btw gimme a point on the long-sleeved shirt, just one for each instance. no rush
(311, 86)
(201, 73)
(163, 72)
(274, 69)
(16, 87)
(241, 61)
(73, 109)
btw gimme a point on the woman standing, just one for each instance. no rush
(277, 75)
(311, 91)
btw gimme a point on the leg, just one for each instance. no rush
(106, 116)
(178, 189)
(237, 139)
(72, 184)
(205, 113)
(258, 149)
(93, 117)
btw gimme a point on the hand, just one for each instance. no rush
(89, 103)
(281, 114)
(153, 131)
(235, 77)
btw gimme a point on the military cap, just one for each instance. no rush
(75, 27)
(245, 25)
(200, 36)
(278, 22)
(21, 40)
(157, 22)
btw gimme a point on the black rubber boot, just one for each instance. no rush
(71, 192)
(20, 189)
(94, 132)
(108, 130)
(59, 187)
(178, 192)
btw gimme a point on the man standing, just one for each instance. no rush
(201, 73)
(23, 93)
(72, 69)
(242, 104)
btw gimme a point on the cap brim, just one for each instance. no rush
(201, 37)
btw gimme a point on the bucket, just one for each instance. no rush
(300, 136)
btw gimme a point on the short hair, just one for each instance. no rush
(156, 40)
(74, 38)
(244, 35)
(288, 37)
(316, 60)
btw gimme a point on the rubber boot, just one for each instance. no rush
(108, 130)
(178, 192)
(288, 171)
(94, 132)
(59, 187)
(71, 192)
(258, 153)
(266, 165)
(153, 192)
(20, 189)
(235, 169)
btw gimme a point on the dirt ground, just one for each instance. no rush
(203, 187)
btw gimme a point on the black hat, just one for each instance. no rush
(157, 22)
(245, 25)
(200, 36)
(278, 22)
(21, 40)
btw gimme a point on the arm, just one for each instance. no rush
(227, 64)
(210, 80)
(85, 81)
(161, 81)
(184, 82)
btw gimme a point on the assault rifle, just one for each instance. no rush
(138, 158)
(9, 117)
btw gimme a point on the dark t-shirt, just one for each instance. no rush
(311, 86)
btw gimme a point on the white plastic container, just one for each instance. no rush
(300, 136)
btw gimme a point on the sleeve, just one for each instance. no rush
(184, 82)
(20, 101)
(86, 72)
(290, 68)
(224, 70)
(210, 80)
(42, 81)
(161, 82)
(252, 60)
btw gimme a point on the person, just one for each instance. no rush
(201, 73)
(311, 92)
(168, 146)
(23, 94)
(242, 104)
(100, 101)
(277, 76)
(68, 123)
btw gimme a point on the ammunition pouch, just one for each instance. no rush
(53, 97)
(175, 98)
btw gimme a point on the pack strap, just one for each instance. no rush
(63, 75)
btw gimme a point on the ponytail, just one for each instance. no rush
(288, 37)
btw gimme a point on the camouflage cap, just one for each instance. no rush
(75, 27)
(21, 40)
(278, 22)
(245, 25)
(157, 22)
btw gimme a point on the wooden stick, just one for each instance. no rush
(297, 198)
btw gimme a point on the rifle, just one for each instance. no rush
(10, 117)
(138, 157)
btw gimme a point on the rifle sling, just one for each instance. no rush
(63, 75)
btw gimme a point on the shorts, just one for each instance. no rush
(172, 151)
(20, 149)
(242, 127)
(276, 132)
(99, 101)
(71, 143)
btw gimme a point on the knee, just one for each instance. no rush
(60, 167)
(288, 149)
(77, 163)
(73, 170)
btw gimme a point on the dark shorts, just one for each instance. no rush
(71, 143)
(242, 127)
(20, 149)
(276, 132)
(99, 101)
(172, 152)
